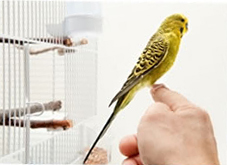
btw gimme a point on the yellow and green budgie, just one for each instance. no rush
(156, 59)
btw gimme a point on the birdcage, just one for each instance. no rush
(48, 81)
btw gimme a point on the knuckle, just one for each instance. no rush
(197, 114)
(191, 112)
(184, 107)
(152, 116)
(203, 115)
(153, 113)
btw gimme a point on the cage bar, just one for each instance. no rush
(26, 77)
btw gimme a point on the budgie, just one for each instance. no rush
(156, 59)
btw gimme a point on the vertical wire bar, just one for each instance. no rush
(53, 53)
(59, 21)
(59, 149)
(14, 64)
(63, 148)
(73, 132)
(27, 90)
(36, 154)
(48, 22)
(32, 155)
(49, 19)
(53, 151)
(69, 110)
(66, 56)
(95, 47)
(50, 151)
(65, 81)
(53, 18)
(53, 69)
(24, 26)
(9, 80)
(71, 83)
(47, 152)
(53, 79)
(62, 38)
(32, 36)
(39, 154)
(42, 151)
(39, 12)
(61, 17)
(55, 11)
(27, 97)
(64, 135)
(19, 75)
(32, 20)
(36, 19)
(44, 13)
(3, 78)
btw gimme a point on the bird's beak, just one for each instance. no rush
(186, 27)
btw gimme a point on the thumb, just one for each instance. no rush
(172, 99)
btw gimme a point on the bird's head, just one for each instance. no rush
(176, 23)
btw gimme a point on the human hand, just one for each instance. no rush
(172, 131)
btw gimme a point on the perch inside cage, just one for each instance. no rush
(47, 92)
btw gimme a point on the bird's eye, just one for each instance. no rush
(181, 30)
(182, 20)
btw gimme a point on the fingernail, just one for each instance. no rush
(155, 87)
(127, 163)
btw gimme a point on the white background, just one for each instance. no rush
(199, 72)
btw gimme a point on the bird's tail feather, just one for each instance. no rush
(103, 131)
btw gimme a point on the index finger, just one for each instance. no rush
(172, 99)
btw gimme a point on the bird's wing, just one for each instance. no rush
(152, 56)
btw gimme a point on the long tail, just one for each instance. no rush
(104, 129)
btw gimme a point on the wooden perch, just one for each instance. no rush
(65, 41)
(53, 105)
(61, 51)
(51, 124)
